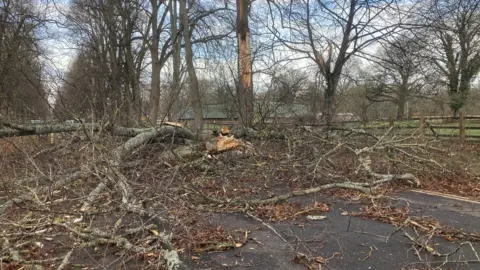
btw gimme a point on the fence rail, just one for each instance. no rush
(462, 127)
(424, 123)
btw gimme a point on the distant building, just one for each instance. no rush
(211, 114)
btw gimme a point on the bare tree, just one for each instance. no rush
(330, 33)
(108, 29)
(22, 93)
(78, 97)
(176, 76)
(157, 23)
(400, 74)
(287, 85)
(454, 40)
(196, 18)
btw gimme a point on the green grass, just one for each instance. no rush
(456, 132)
(468, 123)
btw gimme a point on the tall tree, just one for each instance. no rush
(78, 97)
(195, 96)
(176, 74)
(22, 93)
(108, 28)
(245, 82)
(454, 28)
(171, 43)
(157, 23)
(400, 74)
(329, 33)
(289, 84)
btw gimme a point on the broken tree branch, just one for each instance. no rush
(14, 130)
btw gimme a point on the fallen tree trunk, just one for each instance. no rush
(15, 130)
(365, 188)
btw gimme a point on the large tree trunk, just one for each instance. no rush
(328, 108)
(245, 87)
(328, 112)
(156, 67)
(174, 95)
(15, 130)
(195, 96)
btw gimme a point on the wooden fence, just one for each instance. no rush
(428, 129)
(428, 125)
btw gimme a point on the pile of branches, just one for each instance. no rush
(148, 178)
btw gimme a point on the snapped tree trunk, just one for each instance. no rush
(245, 82)
(195, 96)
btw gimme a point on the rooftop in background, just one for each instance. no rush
(213, 111)
(220, 111)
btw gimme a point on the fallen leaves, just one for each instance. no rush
(400, 217)
(313, 262)
(203, 238)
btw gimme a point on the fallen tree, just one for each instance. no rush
(111, 175)
(15, 130)
(116, 172)
(363, 156)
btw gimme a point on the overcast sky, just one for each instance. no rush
(60, 51)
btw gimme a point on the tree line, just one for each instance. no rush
(149, 60)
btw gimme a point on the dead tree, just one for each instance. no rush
(245, 83)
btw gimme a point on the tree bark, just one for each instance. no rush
(13, 130)
(195, 96)
(401, 108)
(328, 112)
(156, 67)
(174, 95)
(245, 83)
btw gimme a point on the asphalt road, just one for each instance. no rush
(351, 242)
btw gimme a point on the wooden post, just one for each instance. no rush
(461, 125)
(422, 125)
